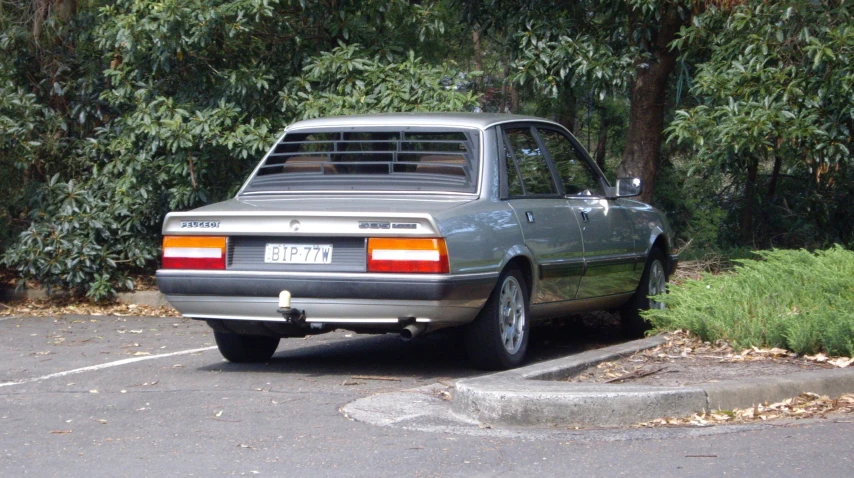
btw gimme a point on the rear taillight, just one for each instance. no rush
(407, 255)
(194, 252)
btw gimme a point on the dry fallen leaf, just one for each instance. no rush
(58, 306)
(805, 405)
(841, 362)
(680, 345)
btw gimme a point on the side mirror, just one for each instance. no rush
(628, 187)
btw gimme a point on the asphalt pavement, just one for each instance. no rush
(132, 396)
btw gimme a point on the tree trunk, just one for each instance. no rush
(566, 113)
(514, 100)
(646, 117)
(478, 52)
(602, 143)
(66, 9)
(40, 9)
(509, 94)
(749, 193)
(775, 176)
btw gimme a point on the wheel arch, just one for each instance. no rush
(662, 243)
(522, 258)
(526, 266)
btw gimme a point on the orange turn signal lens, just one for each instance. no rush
(194, 252)
(407, 255)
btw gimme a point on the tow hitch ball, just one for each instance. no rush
(293, 316)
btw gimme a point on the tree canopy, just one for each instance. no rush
(777, 95)
(735, 113)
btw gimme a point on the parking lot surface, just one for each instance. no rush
(142, 396)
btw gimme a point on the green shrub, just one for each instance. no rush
(692, 207)
(792, 299)
(127, 109)
(77, 237)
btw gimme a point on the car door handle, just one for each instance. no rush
(585, 215)
(529, 216)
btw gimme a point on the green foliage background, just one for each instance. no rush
(116, 112)
(129, 109)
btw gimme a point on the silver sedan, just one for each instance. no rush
(410, 223)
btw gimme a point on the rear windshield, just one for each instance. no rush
(370, 160)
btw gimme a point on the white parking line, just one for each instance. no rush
(105, 365)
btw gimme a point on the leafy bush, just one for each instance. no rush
(114, 113)
(797, 300)
(76, 239)
(692, 207)
(774, 114)
(347, 80)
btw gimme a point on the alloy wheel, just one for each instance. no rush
(511, 315)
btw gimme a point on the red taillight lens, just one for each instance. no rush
(407, 255)
(194, 252)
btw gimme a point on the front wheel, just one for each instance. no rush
(498, 337)
(245, 348)
(653, 282)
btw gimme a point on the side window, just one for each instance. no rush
(577, 176)
(514, 184)
(530, 161)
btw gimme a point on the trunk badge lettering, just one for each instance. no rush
(374, 225)
(199, 224)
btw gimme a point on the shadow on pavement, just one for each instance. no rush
(438, 354)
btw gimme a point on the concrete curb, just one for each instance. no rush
(535, 396)
(151, 298)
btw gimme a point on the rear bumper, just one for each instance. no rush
(355, 299)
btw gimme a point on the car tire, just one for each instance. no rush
(241, 348)
(498, 337)
(653, 282)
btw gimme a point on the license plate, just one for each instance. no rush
(298, 253)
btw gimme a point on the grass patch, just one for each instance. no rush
(792, 299)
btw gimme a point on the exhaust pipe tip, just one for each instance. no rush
(411, 331)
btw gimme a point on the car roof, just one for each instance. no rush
(467, 120)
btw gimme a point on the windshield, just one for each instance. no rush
(401, 159)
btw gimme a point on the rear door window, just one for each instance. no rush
(528, 172)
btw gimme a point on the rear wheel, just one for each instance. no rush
(245, 348)
(498, 337)
(653, 282)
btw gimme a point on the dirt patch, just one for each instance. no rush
(8, 279)
(144, 282)
(59, 306)
(685, 360)
(689, 371)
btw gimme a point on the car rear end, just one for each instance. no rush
(336, 228)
